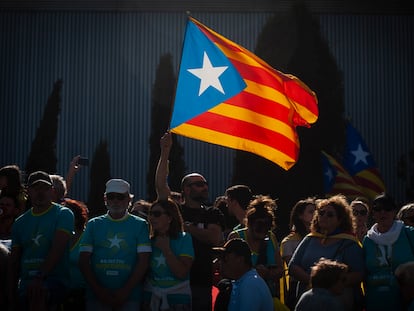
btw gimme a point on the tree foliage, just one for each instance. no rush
(161, 109)
(293, 44)
(42, 154)
(100, 174)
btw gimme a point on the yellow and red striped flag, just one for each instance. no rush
(337, 180)
(228, 96)
(360, 164)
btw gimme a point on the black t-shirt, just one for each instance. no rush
(201, 270)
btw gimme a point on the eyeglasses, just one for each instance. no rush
(199, 183)
(327, 213)
(155, 214)
(117, 196)
(380, 208)
(362, 212)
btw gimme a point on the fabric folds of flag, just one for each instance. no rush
(337, 180)
(360, 164)
(228, 96)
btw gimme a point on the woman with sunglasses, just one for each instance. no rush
(387, 245)
(360, 211)
(258, 233)
(168, 281)
(331, 236)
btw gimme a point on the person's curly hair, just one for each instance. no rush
(80, 213)
(343, 212)
(262, 206)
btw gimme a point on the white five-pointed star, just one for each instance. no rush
(115, 241)
(36, 239)
(360, 155)
(160, 260)
(208, 75)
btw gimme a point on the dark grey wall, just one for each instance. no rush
(107, 60)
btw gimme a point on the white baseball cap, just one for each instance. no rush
(117, 186)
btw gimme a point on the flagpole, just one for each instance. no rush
(179, 66)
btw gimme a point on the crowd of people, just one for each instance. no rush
(177, 253)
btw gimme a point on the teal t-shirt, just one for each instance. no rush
(382, 289)
(115, 245)
(34, 234)
(76, 277)
(160, 274)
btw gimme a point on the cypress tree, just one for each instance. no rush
(161, 108)
(100, 174)
(42, 154)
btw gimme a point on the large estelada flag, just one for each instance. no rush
(336, 179)
(360, 164)
(228, 96)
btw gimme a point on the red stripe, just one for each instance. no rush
(258, 74)
(293, 89)
(245, 130)
(368, 184)
(261, 105)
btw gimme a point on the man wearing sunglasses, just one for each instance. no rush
(114, 253)
(205, 224)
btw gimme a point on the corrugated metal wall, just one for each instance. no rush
(107, 61)
(376, 56)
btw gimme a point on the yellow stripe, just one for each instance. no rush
(374, 178)
(267, 92)
(226, 140)
(254, 118)
(248, 58)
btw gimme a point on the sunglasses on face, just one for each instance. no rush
(199, 183)
(155, 214)
(117, 196)
(382, 208)
(327, 213)
(362, 212)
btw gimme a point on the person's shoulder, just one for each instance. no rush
(239, 233)
(98, 218)
(62, 208)
(292, 236)
(137, 218)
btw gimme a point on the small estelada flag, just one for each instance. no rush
(228, 96)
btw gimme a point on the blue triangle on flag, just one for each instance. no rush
(206, 77)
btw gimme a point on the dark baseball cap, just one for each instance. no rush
(39, 177)
(236, 246)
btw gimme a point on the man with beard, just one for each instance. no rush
(114, 253)
(40, 250)
(205, 224)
